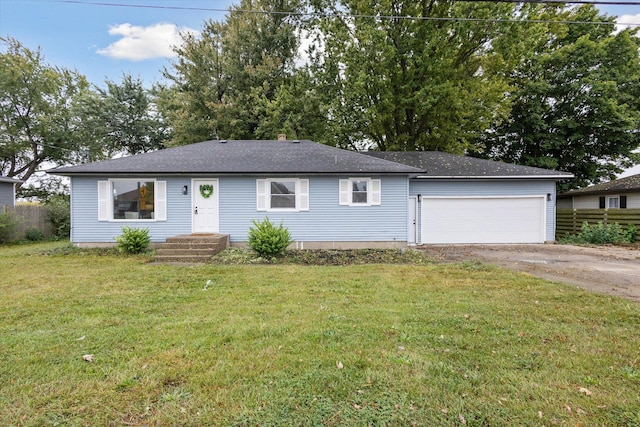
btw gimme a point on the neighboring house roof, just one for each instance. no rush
(436, 164)
(10, 180)
(622, 185)
(244, 157)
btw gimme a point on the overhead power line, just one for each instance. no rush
(593, 2)
(389, 17)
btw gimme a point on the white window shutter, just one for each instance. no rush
(160, 208)
(304, 195)
(345, 192)
(376, 186)
(261, 197)
(103, 200)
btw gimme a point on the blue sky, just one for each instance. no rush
(100, 40)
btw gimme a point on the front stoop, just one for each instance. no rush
(191, 248)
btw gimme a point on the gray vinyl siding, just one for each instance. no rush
(504, 187)
(593, 202)
(326, 220)
(7, 196)
(87, 228)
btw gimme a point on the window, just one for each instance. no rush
(360, 192)
(612, 202)
(285, 194)
(128, 199)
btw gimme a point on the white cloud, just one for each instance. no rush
(626, 21)
(140, 43)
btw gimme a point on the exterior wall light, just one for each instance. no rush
(185, 190)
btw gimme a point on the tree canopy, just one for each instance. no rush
(575, 98)
(411, 84)
(36, 111)
(51, 116)
(226, 79)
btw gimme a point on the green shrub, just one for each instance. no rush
(602, 234)
(268, 239)
(133, 240)
(8, 227)
(34, 234)
(59, 215)
(630, 233)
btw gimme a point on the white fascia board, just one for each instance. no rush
(498, 177)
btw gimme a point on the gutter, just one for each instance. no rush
(497, 177)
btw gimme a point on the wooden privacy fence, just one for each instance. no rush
(569, 221)
(30, 216)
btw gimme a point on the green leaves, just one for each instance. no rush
(228, 79)
(412, 84)
(574, 99)
(36, 120)
(133, 240)
(267, 239)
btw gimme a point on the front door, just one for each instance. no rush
(204, 205)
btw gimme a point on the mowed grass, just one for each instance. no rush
(432, 345)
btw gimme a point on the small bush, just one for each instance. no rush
(267, 239)
(34, 234)
(59, 215)
(630, 233)
(602, 234)
(133, 240)
(8, 227)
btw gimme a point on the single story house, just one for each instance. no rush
(622, 193)
(327, 197)
(8, 192)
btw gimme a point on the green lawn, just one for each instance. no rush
(305, 345)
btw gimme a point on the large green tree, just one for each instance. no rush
(398, 83)
(121, 118)
(225, 75)
(51, 116)
(575, 96)
(37, 124)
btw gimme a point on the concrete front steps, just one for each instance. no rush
(191, 248)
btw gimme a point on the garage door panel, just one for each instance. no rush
(483, 220)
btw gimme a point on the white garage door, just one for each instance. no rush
(483, 219)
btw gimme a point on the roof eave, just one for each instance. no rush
(601, 192)
(258, 173)
(554, 177)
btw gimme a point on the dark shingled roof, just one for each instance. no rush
(436, 164)
(621, 185)
(244, 158)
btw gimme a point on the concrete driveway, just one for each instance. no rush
(610, 270)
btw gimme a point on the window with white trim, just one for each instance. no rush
(613, 202)
(131, 199)
(360, 192)
(282, 194)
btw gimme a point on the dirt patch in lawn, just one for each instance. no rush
(612, 270)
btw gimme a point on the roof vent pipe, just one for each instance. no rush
(295, 141)
(282, 137)
(223, 141)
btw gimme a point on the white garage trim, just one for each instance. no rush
(483, 219)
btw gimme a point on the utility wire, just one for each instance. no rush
(386, 17)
